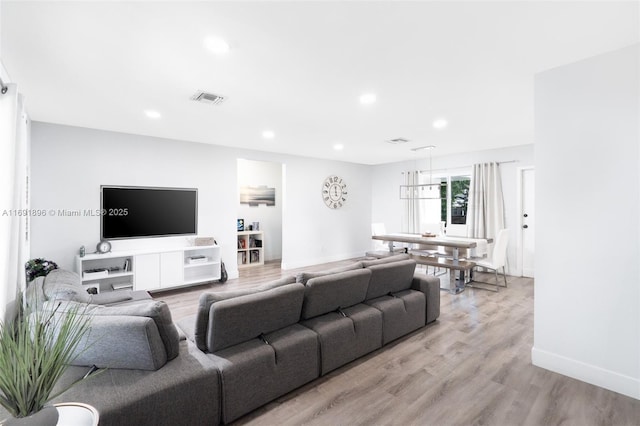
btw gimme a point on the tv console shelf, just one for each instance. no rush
(150, 270)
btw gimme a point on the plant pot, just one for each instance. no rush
(48, 416)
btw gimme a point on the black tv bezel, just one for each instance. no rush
(102, 187)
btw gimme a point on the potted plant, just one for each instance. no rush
(39, 267)
(35, 350)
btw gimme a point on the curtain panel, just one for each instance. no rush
(411, 206)
(14, 248)
(485, 210)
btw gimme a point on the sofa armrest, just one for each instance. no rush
(430, 286)
(126, 342)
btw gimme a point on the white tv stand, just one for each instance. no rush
(151, 269)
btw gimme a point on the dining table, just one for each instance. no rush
(474, 248)
(455, 243)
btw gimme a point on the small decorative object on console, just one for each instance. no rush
(240, 224)
(103, 247)
(196, 259)
(205, 241)
(95, 273)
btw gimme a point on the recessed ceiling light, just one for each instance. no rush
(367, 98)
(268, 134)
(216, 45)
(440, 123)
(338, 147)
(152, 114)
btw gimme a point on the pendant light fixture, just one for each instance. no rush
(422, 191)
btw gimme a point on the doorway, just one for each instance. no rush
(263, 180)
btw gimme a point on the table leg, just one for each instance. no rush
(454, 287)
(390, 246)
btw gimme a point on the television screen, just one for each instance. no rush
(139, 212)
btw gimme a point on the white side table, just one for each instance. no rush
(77, 414)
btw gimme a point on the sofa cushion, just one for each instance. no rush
(185, 391)
(111, 297)
(402, 313)
(345, 338)
(257, 371)
(61, 284)
(330, 292)
(34, 294)
(199, 334)
(390, 277)
(303, 277)
(155, 310)
(236, 320)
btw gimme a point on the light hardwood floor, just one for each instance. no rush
(471, 367)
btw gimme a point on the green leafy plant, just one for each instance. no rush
(35, 350)
(39, 267)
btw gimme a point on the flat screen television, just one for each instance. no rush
(144, 212)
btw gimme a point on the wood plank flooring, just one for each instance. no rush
(471, 367)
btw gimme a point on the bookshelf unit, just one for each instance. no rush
(149, 269)
(250, 249)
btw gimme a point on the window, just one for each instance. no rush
(453, 203)
(459, 199)
(451, 208)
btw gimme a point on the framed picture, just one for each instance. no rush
(240, 225)
(256, 195)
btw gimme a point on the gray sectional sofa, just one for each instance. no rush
(245, 348)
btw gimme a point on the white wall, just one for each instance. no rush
(386, 203)
(69, 164)
(267, 173)
(310, 226)
(587, 291)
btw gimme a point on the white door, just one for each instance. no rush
(528, 222)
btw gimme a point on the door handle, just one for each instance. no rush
(525, 226)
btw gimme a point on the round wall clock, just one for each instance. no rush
(103, 247)
(334, 192)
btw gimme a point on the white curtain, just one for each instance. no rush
(14, 247)
(410, 210)
(485, 210)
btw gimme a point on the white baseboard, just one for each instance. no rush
(620, 383)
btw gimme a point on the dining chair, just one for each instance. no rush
(382, 246)
(497, 261)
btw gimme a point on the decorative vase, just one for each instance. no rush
(48, 416)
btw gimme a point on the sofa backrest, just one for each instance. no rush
(303, 277)
(207, 299)
(238, 319)
(327, 293)
(389, 277)
(138, 335)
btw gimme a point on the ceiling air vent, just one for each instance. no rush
(397, 141)
(208, 98)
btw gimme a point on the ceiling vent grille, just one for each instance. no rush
(397, 141)
(208, 98)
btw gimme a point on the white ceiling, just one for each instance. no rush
(298, 69)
